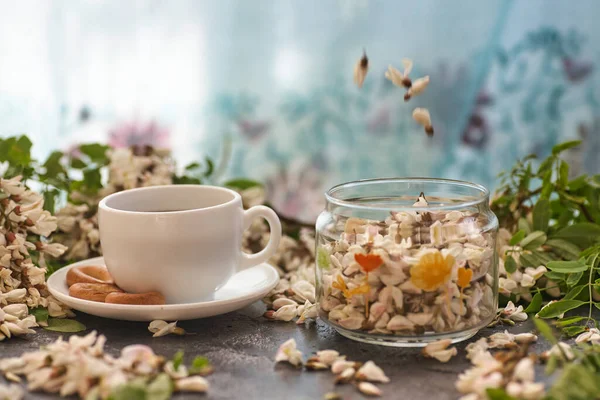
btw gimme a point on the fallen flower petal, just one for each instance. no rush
(192, 384)
(369, 389)
(440, 351)
(288, 352)
(360, 70)
(371, 372)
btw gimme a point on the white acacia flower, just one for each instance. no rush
(309, 311)
(524, 371)
(339, 366)
(12, 186)
(369, 389)
(525, 338)
(501, 339)
(514, 313)
(66, 223)
(283, 301)
(305, 290)
(53, 249)
(371, 372)
(440, 351)
(422, 116)
(418, 86)
(561, 350)
(591, 336)
(398, 78)
(288, 352)
(253, 196)
(45, 225)
(162, 328)
(360, 70)
(19, 311)
(192, 384)
(93, 236)
(536, 273)
(11, 392)
(507, 285)
(13, 296)
(285, 313)
(328, 357)
(180, 372)
(36, 276)
(80, 250)
(527, 281)
(477, 347)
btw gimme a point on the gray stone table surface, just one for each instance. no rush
(242, 345)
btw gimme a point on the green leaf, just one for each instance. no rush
(579, 200)
(241, 184)
(574, 279)
(545, 166)
(541, 215)
(536, 303)
(192, 166)
(77, 163)
(551, 365)
(200, 365)
(565, 146)
(96, 152)
(128, 392)
(563, 174)
(563, 248)
(597, 305)
(583, 234)
(16, 150)
(323, 259)
(160, 389)
(561, 323)
(524, 225)
(510, 265)
(578, 183)
(555, 276)
(529, 260)
(40, 313)
(210, 167)
(533, 240)
(177, 359)
(64, 325)
(545, 257)
(559, 307)
(573, 330)
(573, 293)
(92, 179)
(517, 237)
(498, 394)
(566, 267)
(186, 180)
(50, 199)
(544, 329)
(53, 166)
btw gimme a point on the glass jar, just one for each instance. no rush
(404, 262)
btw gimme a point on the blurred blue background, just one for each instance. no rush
(271, 80)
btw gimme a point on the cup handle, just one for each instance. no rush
(250, 260)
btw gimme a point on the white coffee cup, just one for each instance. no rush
(183, 241)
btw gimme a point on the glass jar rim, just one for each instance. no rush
(483, 193)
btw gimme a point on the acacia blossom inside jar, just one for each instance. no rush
(407, 261)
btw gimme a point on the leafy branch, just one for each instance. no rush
(556, 224)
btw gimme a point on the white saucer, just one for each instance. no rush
(243, 289)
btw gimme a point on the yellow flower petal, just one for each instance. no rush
(432, 271)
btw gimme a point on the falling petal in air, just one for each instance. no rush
(361, 69)
(421, 115)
